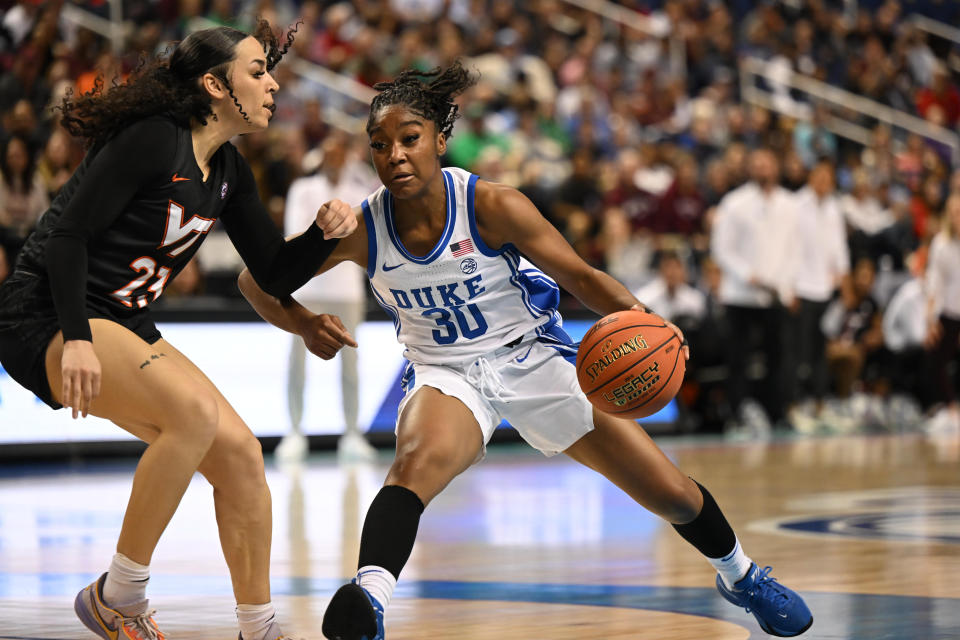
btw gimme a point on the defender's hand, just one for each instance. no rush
(337, 219)
(324, 335)
(80, 369)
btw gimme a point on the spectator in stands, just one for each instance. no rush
(682, 206)
(58, 162)
(924, 205)
(853, 326)
(942, 93)
(577, 207)
(637, 204)
(467, 146)
(868, 221)
(905, 358)
(749, 241)
(812, 140)
(671, 296)
(23, 197)
(819, 262)
(943, 316)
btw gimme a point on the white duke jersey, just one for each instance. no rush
(463, 299)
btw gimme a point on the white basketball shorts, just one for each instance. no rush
(529, 385)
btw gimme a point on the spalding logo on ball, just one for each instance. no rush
(630, 364)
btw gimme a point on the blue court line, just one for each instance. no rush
(847, 616)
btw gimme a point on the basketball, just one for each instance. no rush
(630, 364)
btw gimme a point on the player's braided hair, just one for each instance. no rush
(426, 93)
(169, 85)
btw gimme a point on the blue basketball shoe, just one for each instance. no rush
(778, 610)
(353, 614)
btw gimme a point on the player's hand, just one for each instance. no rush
(80, 369)
(934, 331)
(324, 335)
(676, 330)
(337, 219)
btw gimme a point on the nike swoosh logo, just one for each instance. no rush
(113, 634)
(177, 178)
(396, 266)
(525, 356)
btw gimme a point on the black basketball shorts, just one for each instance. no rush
(28, 322)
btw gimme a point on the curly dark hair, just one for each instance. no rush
(168, 85)
(427, 93)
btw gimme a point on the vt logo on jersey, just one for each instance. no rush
(177, 230)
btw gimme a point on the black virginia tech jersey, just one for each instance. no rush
(135, 212)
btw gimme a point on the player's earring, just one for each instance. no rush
(215, 118)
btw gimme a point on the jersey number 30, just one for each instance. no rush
(449, 333)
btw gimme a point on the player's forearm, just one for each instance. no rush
(602, 292)
(286, 314)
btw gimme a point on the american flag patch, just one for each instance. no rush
(461, 248)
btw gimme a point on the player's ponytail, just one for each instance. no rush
(427, 93)
(167, 86)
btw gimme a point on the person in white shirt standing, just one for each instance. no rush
(943, 309)
(751, 234)
(340, 292)
(819, 259)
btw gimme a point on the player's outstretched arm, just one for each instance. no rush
(323, 334)
(505, 215)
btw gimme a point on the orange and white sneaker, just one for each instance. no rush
(109, 623)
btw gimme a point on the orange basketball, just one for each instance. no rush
(630, 364)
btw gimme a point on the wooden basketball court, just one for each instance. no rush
(522, 547)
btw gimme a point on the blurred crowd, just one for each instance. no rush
(816, 277)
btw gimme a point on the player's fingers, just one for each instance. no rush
(76, 392)
(683, 340)
(86, 394)
(326, 352)
(343, 334)
(322, 348)
(67, 391)
(340, 228)
(349, 340)
(330, 212)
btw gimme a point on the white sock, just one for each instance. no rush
(126, 582)
(733, 566)
(379, 582)
(256, 620)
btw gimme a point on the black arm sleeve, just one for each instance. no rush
(111, 179)
(280, 267)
